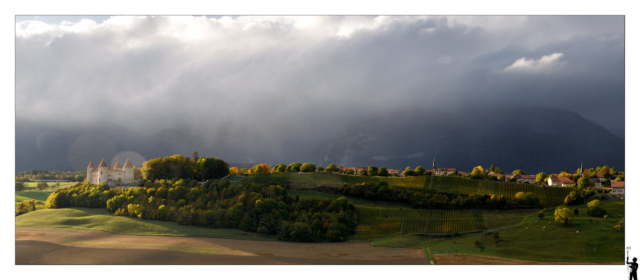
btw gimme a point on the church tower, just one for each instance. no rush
(434, 165)
(581, 171)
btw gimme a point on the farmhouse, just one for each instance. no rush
(114, 176)
(528, 178)
(596, 182)
(617, 187)
(554, 181)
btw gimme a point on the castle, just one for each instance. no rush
(114, 176)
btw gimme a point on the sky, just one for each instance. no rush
(297, 79)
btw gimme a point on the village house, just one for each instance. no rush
(617, 187)
(595, 182)
(444, 171)
(555, 181)
(528, 178)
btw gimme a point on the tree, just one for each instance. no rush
(576, 211)
(332, 168)
(350, 171)
(501, 178)
(320, 169)
(383, 172)
(540, 215)
(210, 168)
(583, 183)
(294, 167)
(308, 167)
(409, 172)
(563, 215)
(542, 177)
(595, 209)
(244, 171)
(42, 186)
(476, 173)
(233, 171)
(281, 168)
(518, 171)
(420, 170)
(477, 243)
(19, 186)
(606, 172)
(195, 156)
(491, 168)
(498, 171)
(372, 170)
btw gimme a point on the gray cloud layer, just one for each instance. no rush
(289, 81)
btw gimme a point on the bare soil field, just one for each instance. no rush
(458, 259)
(71, 246)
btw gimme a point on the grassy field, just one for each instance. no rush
(376, 222)
(101, 219)
(39, 196)
(596, 242)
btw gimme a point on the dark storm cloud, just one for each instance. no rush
(268, 85)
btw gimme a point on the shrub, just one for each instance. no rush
(595, 209)
(540, 215)
(563, 215)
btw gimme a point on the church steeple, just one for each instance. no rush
(581, 171)
(434, 164)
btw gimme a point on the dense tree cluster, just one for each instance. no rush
(247, 206)
(578, 196)
(434, 200)
(25, 207)
(19, 186)
(179, 166)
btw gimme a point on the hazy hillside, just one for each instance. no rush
(532, 139)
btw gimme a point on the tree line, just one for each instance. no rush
(437, 200)
(250, 207)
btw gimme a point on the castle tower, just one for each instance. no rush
(89, 169)
(128, 172)
(103, 172)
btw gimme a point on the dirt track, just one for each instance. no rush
(66, 246)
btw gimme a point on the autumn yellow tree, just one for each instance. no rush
(233, 171)
(265, 168)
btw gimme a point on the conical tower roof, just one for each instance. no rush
(102, 164)
(128, 164)
(117, 165)
(91, 165)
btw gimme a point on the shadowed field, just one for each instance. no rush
(70, 246)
